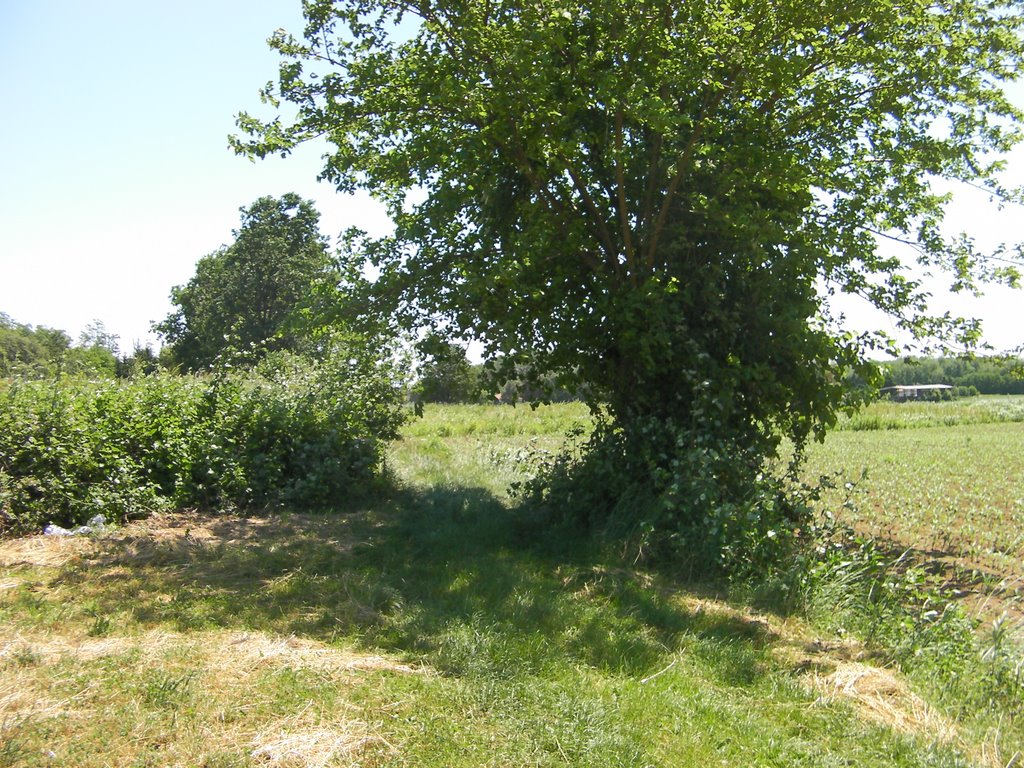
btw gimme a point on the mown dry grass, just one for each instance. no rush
(175, 699)
(144, 693)
(882, 696)
(144, 688)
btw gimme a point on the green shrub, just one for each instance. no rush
(290, 432)
(699, 500)
(59, 458)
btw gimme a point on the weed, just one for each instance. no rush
(12, 750)
(910, 619)
(1002, 682)
(165, 689)
(101, 623)
(24, 655)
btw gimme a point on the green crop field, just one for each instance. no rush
(945, 480)
(420, 630)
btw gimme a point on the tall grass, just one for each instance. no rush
(886, 415)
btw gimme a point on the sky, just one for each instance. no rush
(115, 171)
(116, 176)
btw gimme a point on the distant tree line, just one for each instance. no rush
(986, 375)
(39, 351)
(447, 376)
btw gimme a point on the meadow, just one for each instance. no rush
(423, 628)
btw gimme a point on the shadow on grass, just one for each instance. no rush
(439, 574)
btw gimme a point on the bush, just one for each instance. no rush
(697, 500)
(291, 432)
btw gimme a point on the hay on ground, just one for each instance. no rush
(882, 697)
(315, 747)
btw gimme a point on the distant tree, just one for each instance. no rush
(97, 335)
(446, 376)
(95, 354)
(141, 362)
(526, 388)
(258, 293)
(54, 342)
(18, 345)
(27, 349)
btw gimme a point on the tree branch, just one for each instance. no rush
(620, 180)
(683, 165)
(603, 234)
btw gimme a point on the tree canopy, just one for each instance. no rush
(25, 347)
(648, 195)
(446, 375)
(654, 200)
(257, 293)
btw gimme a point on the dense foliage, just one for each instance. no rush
(291, 432)
(27, 348)
(263, 292)
(653, 200)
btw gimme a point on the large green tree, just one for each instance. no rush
(257, 294)
(655, 199)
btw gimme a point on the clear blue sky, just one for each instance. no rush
(115, 175)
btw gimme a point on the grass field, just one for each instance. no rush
(422, 631)
(888, 414)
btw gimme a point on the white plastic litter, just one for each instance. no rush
(96, 524)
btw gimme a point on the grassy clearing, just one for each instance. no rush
(418, 637)
(422, 631)
(444, 421)
(481, 446)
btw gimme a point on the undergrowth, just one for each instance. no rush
(696, 502)
(911, 619)
(290, 432)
